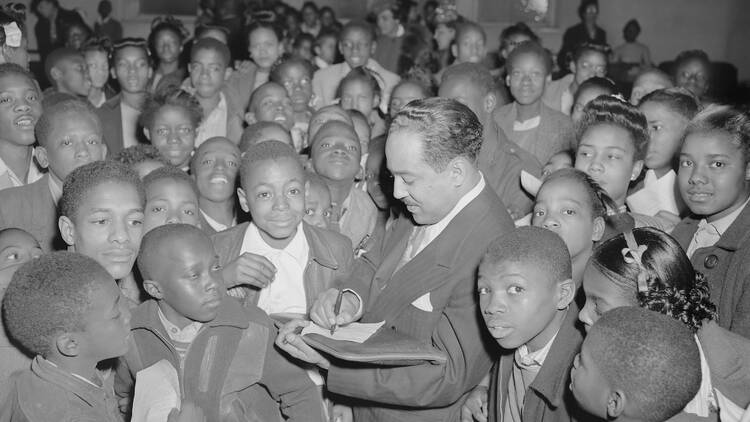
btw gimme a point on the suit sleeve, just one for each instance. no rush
(741, 316)
(288, 383)
(458, 333)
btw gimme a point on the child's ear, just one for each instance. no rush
(55, 73)
(40, 153)
(615, 404)
(637, 169)
(227, 73)
(250, 118)
(598, 231)
(153, 289)
(507, 81)
(747, 171)
(67, 345)
(490, 102)
(114, 74)
(454, 50)
(147, 133)
(67, 230)
(243, 199)
(566, 292)
(375, 102)
(572, 67)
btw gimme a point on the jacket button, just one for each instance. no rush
(711, 261)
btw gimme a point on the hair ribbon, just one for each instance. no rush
(13, 35)
(633, 254)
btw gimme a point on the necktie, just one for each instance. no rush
(413, 246)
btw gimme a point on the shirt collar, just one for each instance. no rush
(215, 224)
(433, 230)
(33, 175)
(721, 225)
(297, 248)
(536, 358)
(182, 335)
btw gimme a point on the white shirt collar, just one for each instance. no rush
(215, 224)
(33, 175)
(529, 124)
(297, 247)
(182, 335)
(433, 231)
(535, 358)
(721, 225)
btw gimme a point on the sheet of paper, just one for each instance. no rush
(157, 392)
(355, 331)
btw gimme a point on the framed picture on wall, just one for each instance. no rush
(512, 11)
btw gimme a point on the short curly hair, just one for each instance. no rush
(609, 110)
(448, 129)
(171, 97)
(74, 108)
(166, 236)
(262, 151)
(82, 180)
(137, 154)
(172, 173)
(674, 287)
(49, 296)
(477, 74)
(654, 360)
(254, 133)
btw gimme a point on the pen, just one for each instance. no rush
(337, 309)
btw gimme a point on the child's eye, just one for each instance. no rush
(569, 212)
(66, 142)
(613, 157)
(515, 290)
(232, 164)
(685, 163)
(93, 141)
(207, 162)
(189, 212)
(309, 212)
(12, 257)
(656, 128)
(5, 100)
(584, 154)
(483, 290)
(538, 213)
(162, 132)
(327, 214)
(352, 147)
(185, 130)
(217, 267)
(136, 222)
(157, 209)
(264, 195)
(294, 191)
(32, 97)
(100, 221)
(718, 164)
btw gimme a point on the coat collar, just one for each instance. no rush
(230, 314)
(46, 370)
(732, 238)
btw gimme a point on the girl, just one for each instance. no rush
(265, 45)
(20, 109)
(296, 74)
(96, 53)
(612, 140)
(692, 71)
(668, 113)
(169, 121)
(590, 89)
(165, 42)
(573, 205)
(359, 90)
(13, 41)
(407, 90)
(647, 268)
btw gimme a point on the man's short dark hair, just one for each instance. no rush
(448, 130)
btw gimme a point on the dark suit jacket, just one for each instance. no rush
(726, 265)
(548, 398)
(31, 208)
(501, 161)
(64, 19)
(330, 259)
(110, 114)
(446, 269)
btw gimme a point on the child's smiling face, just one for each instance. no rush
(272, 104)
(20, 109)
(215, 169)
(273, 192)
(713, 175)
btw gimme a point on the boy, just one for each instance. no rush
(335, 157)
(209, 70)
(325, 49)
(101, 216)
(69, 135)
(271, 103)
(17, 166)
(67, 72)
(636, 365)
(326, 114)
(214, 167)
(714, 181)
(647, 82)
(526, 298)
(357, 44)
(16, 248)
(66, 310)
(171, 197)
(500, 160)
(300, 259)
(223, 352)
(529, 123)
(264, 131)
(590, 60)
(317, 202)
(131, 66)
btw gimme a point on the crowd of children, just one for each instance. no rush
(193, 200)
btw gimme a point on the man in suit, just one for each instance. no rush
(425, 285)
